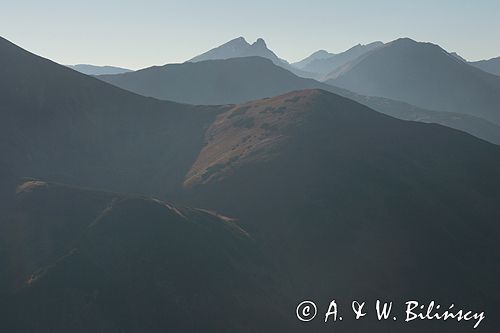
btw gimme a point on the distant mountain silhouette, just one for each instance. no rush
(491, 66)
(239, 47)
(321, 54)
(473, 125)
(98, 70)
(240, 80)
(227, 81)
(325, 65)
(424, 75)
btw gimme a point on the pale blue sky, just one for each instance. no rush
(138, 34)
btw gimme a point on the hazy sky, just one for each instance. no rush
(137, 34)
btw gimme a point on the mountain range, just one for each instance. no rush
(317, 65)
(305, 195)
(323, 62)
(238, 80)
(424, 75)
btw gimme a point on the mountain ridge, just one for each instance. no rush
(491, 65)
(59, 125)
(424, 75)
(320, 54)
(325, 65)
(98, 70)
(238, 80)
(118, 259)
(305, 162)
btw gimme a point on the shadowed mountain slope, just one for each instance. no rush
(60, 125)
(336, 202)
(424, 75)
(101, 261)
(358, 203)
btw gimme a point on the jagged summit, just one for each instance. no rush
(238, 41)
(260, 43)
(238, 48)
